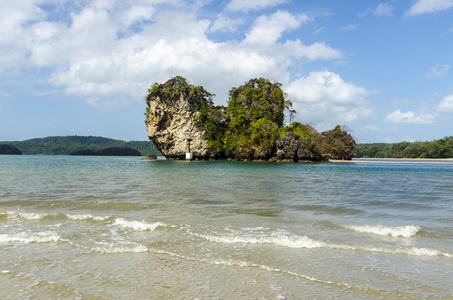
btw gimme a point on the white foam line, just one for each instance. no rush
(37, 216)
(84, 217)
(138, 225)
(23, 237)
(295, 241)
(25, 215)
(239, 263)
(394, 231)
(121, 249)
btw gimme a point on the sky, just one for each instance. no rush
(82, 67)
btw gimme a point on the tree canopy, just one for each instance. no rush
(442, 148)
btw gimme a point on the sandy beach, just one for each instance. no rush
(395, 160)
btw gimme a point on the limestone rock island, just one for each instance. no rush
(250, 127)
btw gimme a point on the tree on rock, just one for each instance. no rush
(338, 143)
(254, 115)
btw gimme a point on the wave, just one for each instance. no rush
(283, 240)
(23, 215)
(24, 237)
(134, 225)
(40, 215)
(394, 231)
(136, 248)
(138, 225)
(296, 241)
(84, 217)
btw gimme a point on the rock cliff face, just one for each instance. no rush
(173, 107)
(249, 128)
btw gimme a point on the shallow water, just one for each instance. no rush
(125, 228)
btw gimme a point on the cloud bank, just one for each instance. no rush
(410, 117)
(324, 95)
(109, 53)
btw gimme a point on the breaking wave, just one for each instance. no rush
(394, 231)
(84, 217)
(293, 241)
(19, 214)
(24, 237)
(23, 215)
(112, 249)
(138, 225)
(296, 241)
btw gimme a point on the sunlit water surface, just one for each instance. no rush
(124, 228)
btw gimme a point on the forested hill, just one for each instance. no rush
(70, 144)
(442, 148)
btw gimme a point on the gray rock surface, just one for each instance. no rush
(170, 123)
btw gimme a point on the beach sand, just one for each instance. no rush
(395, 161)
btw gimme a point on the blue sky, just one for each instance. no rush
(82, 67)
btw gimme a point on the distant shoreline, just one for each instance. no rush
(396, 160)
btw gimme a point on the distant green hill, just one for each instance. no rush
(69, 144)
(442, 148)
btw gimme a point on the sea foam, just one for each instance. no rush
(136, 248)
(24, 215)
(293, 241)
(12, 214)
(137, 225)
(84, 217)
(296, 241)
(394, 231)
(24, 237)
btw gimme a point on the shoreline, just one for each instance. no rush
(396, 160)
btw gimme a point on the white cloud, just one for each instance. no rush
(268, 29)
(410, 118)
(350, 27)
(325, 96)
(319, 30)
(242, 5)
(224, 23)
(446, 104)
(14, 15)
(429, 6)
(384, 9)
(438, 71)
(136, 14)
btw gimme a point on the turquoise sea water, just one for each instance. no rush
(75, 227)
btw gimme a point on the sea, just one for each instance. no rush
(81, 227)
